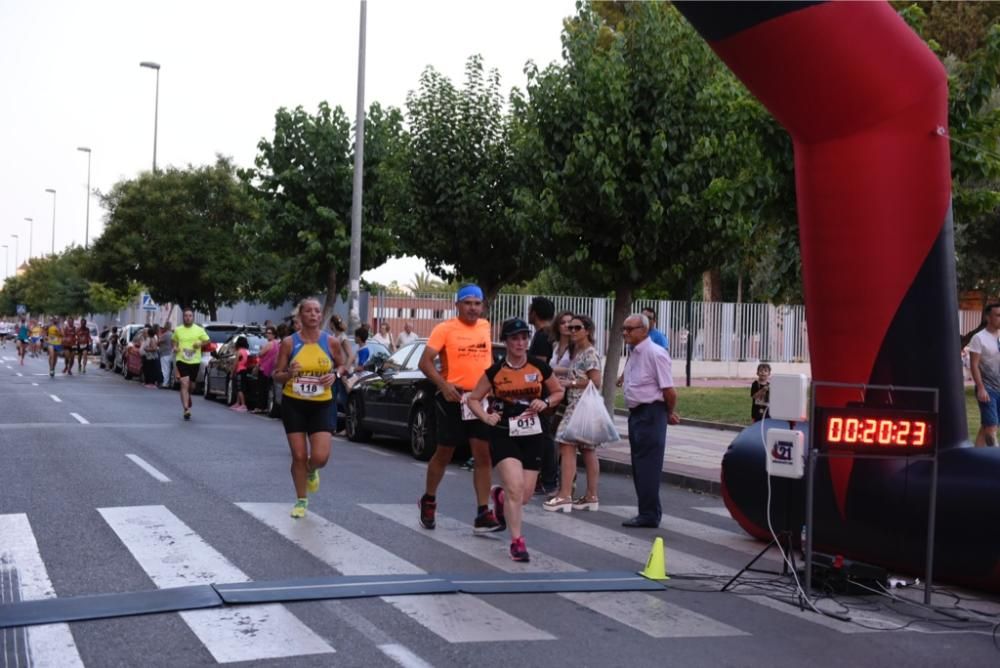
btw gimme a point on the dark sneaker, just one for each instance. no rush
(518, 551)
(427, 510)
(496, 493)
(486, 522)
(469, 464)
(187, 415)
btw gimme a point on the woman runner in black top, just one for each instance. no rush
(520, 388)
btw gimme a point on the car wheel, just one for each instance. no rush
(230, 391)
(422, 435)
(206, 390)
(352, 421)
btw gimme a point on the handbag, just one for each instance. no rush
(590, 423)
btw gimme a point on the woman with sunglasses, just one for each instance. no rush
(584, 368)
(521, 387)
(561, 342)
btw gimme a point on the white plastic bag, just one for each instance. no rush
(590, 423)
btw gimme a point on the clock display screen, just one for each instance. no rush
(875, 429)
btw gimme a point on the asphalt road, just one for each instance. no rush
(104, 489)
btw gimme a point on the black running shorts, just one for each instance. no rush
(301, 416)
(527, 449)
(452, 430)
(188, 370)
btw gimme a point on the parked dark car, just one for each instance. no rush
(219, 378)
(396, 399)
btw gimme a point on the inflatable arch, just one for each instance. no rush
(865, 102)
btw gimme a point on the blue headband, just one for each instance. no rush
(467, 291)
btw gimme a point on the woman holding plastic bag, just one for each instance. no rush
(586, 424)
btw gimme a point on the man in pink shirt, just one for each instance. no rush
(651, 401)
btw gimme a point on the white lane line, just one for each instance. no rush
(403, 656)
(648, 614)
(49, 644)
(56, 399)
(173, 555)
(35, 384)
(740, 542)
(454, 617)
(148, 468)
(21, 375)
(376, 451)
(80, 418)
(714, 510)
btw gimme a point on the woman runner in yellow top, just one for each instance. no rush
(307, 365)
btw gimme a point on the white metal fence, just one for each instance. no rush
(722, 331)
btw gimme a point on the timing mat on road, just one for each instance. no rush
(103, 606)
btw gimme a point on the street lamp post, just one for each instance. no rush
(51, 190)
(17, 244)
(156, 110)
(86, 228)
(31, 235)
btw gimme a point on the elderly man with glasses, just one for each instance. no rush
(651, 401)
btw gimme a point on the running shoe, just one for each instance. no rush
(486, 522)
(299, 509)
(427, 510)
(518, 551)
(312, 481)
(496, 493)
(187, 415)
(52, 374)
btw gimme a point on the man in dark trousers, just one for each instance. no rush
(651, 401)
(540, 314)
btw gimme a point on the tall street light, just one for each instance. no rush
(16, 252)
(50, 190)
(86, 233)
(31, 235)
(156, 111)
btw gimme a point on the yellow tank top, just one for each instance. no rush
(314, 362)
(55, 336)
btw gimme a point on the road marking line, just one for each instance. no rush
(713, 510)
(403, 656)
(423, 465)
(651, 615)
(56, 399)
(454, 617)
(377, 452)
(35, 384)
(50, 644)
(21, 375)
(148, 468)
(80, 418)
(173, 555)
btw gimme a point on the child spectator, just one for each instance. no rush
(760, 393)
(240, 373)
(361, 339)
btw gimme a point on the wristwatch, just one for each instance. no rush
(546, 400)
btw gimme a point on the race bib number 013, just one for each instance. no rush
(525, 425)
(307, 386)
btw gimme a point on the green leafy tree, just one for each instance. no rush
(649, 165)
(461, 213)
(176, 232)
(303, 180)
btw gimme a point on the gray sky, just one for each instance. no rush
(70, 77)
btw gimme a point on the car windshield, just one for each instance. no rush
(220, 334)
(255, 342)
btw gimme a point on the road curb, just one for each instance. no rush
(671, 478)
(722, 426)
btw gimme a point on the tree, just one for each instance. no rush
(648, 166)
(175, 232)
(461, 214)
(303, 180)
(424, 282)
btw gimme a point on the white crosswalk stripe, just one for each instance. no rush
(174, 556)
(456, 618)
(651, 615)
(49, 644)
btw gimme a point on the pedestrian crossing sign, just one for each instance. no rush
(147, 303)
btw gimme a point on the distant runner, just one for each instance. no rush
(22, 339)
(69, 345)
(83, 343)
(188, 340)
(53, 339)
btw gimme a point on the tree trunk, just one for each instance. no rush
(331, 296)
(623, 307)
(213, 312)
(711, 285)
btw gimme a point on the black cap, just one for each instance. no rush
(513, 326)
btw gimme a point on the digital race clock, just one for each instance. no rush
(864, 429)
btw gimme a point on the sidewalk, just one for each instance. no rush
(693, 454)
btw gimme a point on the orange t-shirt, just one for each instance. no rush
(465, 351)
